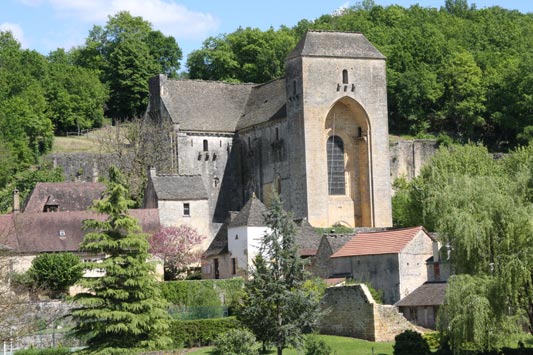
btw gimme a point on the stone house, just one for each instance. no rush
(179, 199)
(318, 136)
(392, 261)
(52, 222)
(236, 244)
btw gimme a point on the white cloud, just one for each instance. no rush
(17, 32)
(340, 10)
(167, 16)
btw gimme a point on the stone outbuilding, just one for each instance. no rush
(422, 305)
(392, 261)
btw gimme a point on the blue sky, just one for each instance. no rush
(45, 25)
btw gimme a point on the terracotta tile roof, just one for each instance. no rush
(429, 294)
(67, 196)
(374, 243)
(58, 231)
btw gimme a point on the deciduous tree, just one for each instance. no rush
(177, 247)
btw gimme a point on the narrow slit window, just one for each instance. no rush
(206, 145)
(345, 76)
(336, 179)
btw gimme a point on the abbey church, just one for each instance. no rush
(319, 137)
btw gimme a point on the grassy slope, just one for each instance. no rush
(339, 345)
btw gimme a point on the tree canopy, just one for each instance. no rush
(482, 208)
(276, 305)
(122, 311)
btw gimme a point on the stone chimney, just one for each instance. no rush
(16, 201)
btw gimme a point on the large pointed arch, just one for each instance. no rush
(348, 122)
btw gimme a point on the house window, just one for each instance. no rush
(215, 267)
(335, 153)
(187, 209)
(233, 266)
(345, 76)
(206, 145)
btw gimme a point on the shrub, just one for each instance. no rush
(410, 343)
(315, 346)
(200, 332)
(236, 342)
(55, 271)
(47, 351)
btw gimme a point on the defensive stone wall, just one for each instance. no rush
(408, 157)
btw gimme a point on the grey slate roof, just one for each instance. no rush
(335, 44)
(337, 241)
(306, 239)
(219, 244)
(251, 215)
(179, 187)
(266, 102)
(429, 294)
(205, 105)
(58, 231)
(68, 196)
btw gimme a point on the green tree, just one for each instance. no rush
(55, 272)
(276, 306)
(127, 52)
(410, 342)
(123, 310)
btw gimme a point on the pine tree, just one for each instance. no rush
(276, 306)
(121, 311)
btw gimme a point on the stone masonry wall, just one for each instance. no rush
(351, 311)
(408, 157)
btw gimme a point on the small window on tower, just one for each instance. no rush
(186, 209)
(345, 76)
(206, 146)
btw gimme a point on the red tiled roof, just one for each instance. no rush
(374, 243)
(58, 231)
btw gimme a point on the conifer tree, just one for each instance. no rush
(121, 311)
(276, 306)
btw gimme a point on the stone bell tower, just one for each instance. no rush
(337, 119)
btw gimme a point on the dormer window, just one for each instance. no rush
(345, 76)
(51, 208)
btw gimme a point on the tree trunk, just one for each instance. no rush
(280, 351)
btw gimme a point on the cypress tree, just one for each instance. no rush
(122, 311)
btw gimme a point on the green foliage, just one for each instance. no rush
(481, 207)
(410, 343)
(55, 272)
(25, 181)
(276, 306)
(434, 340)
(192, 293)
(46, 351)
(123, 311)
(316, 346)
(236, 342)
(200, 332)
(127, 52)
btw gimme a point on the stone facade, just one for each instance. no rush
(246, 138)
(408, 157)
(351, 311)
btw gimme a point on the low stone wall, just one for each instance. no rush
(351, 311)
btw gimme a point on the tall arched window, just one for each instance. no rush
(345, 76)
(335, 151)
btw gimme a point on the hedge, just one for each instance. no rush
(201, 332)
(202, 293)
(45, 351)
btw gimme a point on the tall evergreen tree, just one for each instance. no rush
(121, 311)
(276, 306)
